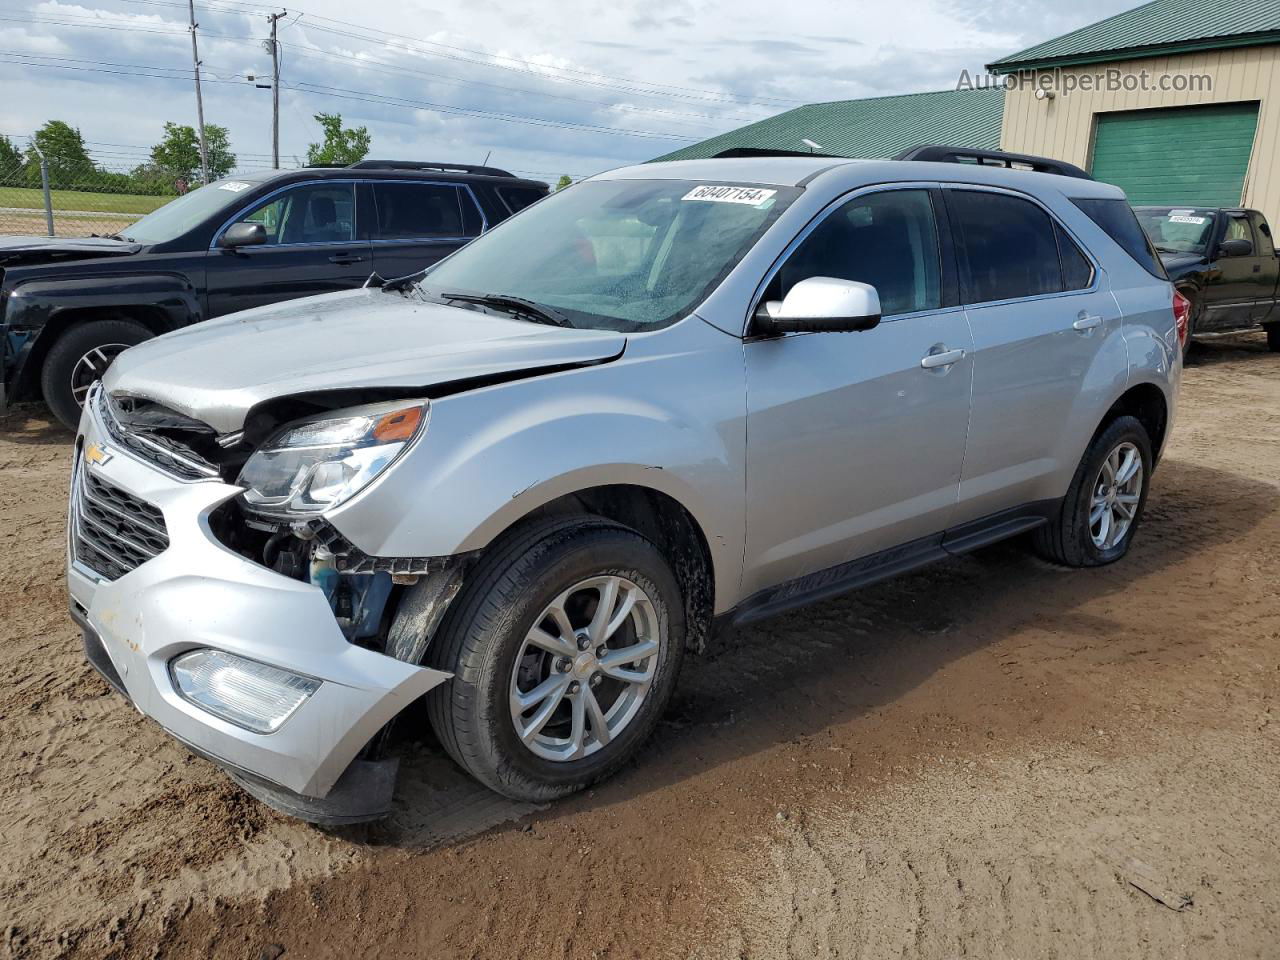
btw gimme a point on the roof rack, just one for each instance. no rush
(992, 158)
(735, 153)
(430, 165)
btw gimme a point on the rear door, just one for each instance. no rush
(419, 223)
(312, 247)
(1040, 312)
(1265, 309)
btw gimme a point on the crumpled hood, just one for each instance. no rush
(35, 249)
(218, 370)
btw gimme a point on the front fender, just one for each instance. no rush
(670, 423)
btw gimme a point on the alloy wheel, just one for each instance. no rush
(91, 367)
(584, 668)
(1117, 491)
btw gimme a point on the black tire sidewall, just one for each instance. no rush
(1123, 429)
(55, 375)
(480, 689)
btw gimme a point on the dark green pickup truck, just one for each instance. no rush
(1224, 261)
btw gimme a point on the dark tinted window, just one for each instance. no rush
(888, 240)
(517, 198)
(1116, 217)
(1266, 245)
(417, 211)
(315, 213)
(1077, 271)
(1006, 247)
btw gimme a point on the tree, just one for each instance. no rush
(178, 153)
(11, 159)
(564, 181)
(340, 147)
(65, 152)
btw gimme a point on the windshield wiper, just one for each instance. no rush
(516, 306)
(1166, 249)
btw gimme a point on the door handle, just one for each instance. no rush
(1086, 322)
(346, 258)
(945, 359)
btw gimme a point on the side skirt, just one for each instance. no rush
(841, 579)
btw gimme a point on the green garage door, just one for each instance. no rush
(1192, 155)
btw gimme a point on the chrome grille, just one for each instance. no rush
(112, 531)
(169, 455)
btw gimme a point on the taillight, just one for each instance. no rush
(1181, 317)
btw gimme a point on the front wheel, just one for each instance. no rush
(1103, 506)
(1273, 337)
(565, 645)
(79, 357)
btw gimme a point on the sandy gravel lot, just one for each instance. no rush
(992, 758)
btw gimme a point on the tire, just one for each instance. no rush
(1193, 321)
(1069, 538)
(1273, 337)
(483, 642)
(77, 344)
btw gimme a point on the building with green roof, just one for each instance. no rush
(1177, 101)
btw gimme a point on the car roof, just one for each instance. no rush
(383, 173)
(848, 174)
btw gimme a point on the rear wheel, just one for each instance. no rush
(1103, 506)
(565, 645)
(81, 356)
(1273, 337)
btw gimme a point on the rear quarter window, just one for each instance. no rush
(517, 198)
(1117, 218)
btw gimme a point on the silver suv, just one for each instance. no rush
(668, 399)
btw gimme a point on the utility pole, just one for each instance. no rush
(275, 89)
(195, 63)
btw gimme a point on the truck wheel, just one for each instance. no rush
(565, 644)
(1103, 506)
(1192, 322)
(79, 357)
(1273, 337)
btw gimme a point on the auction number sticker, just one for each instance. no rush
(751, 196)
(1186, 218)
(235, 186)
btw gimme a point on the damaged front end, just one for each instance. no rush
(233, 604)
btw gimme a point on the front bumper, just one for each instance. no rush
(198, 593)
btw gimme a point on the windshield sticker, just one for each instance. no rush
(752, 196)
(1184, 218)
(235, 186)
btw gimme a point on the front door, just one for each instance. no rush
(853, 446)
(312, 247)
(1239, 281)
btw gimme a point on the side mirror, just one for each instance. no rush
(243, 234)
(821, 305)
(1235, 248)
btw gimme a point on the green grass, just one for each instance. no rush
(33, 199)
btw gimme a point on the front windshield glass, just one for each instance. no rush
(1177, 229)
(186, 212)
(627, 255)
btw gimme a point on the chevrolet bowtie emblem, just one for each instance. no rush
(97, 454)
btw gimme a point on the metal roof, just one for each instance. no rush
(878, 127)
(1162, 26)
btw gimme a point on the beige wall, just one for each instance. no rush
(1063, 127)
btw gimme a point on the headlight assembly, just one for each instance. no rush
(309, 467)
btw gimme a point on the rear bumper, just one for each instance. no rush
(197, 593)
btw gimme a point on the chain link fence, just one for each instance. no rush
(39, 198)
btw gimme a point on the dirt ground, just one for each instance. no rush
(991, 758)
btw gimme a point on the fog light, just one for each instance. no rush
(245, 692)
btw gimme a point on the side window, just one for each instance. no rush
(421, 211)
(889, 240)
(1238, 229)
(517, 198)
(313, 213)
(1266, 243)
(1006, 247)
(1077, 271)
(1119, 221)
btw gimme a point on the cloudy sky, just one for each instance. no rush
(546, 86)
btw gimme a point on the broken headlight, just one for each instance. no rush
(311, 466)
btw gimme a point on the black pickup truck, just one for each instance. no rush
(1224, 261)
(69, 306)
